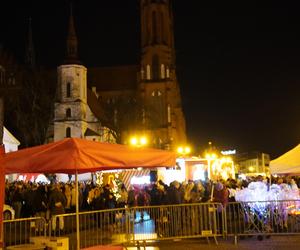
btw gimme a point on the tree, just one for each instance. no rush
(29, 111)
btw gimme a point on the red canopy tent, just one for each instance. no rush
(74, 155)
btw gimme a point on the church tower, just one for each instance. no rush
(158, 83)
(70, 117)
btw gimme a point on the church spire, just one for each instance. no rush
(30, 53)
(72, 43)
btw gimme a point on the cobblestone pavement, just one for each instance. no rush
(273, 243)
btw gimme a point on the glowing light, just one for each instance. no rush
(180, 150)
(140, 180)
(138, 141)
(187, 150)
(143, 140)
(184, 150)
(251, 169)
(133, 141)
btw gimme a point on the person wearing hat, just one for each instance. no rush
(220, 195)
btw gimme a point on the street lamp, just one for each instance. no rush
(183, 150)
(138, 141)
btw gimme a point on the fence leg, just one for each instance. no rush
(216, 241)
(235, 240)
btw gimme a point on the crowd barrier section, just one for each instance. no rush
(103, 227)
(19, 231)
(263, 218)
(177, 221)
(140, 224)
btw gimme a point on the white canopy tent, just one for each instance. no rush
(288, 163)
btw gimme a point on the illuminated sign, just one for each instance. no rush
(228, 152)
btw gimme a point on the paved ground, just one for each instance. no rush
(273, 243)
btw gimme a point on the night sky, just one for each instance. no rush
(238, 64)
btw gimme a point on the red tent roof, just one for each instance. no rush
(74, 154)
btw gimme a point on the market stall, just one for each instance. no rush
(74, 156)
(288, 163)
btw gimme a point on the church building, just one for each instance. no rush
(152, 83)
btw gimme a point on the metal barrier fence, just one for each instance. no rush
(263, 218)
(19, 231)
(138, 224)
(102, 227)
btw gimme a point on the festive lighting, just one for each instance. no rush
(184, 150)
(138, 141)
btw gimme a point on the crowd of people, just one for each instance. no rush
(38, 199)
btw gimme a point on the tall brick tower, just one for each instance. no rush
(158, 82)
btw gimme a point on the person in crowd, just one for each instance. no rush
(57, 203)
(197, 193)
(97, 203)
(17, 200)
(131, 197)
(40, 205)
(68, 194)
(220, 195)
(142, 200)
(155, 195)
(122, 201)
(173, 193)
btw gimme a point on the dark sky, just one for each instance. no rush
(238, 63)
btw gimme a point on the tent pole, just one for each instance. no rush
(77, 211)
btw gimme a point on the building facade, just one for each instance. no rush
(253, 163)
(153, 83)
(72, 114)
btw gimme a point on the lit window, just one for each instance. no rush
(168, 72)
(162, 71)
(148, 72)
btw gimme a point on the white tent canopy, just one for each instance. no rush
(288, 163)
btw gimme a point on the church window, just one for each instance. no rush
(157, 103)
(168, 72)
(169, 113)
(68, 113)
(162, 71)
(148, 72)
(154, 27)
(68, 132)
(155, 67)
(68, 89)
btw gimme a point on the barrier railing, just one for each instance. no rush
(138, 224)
(177, 221)
(123, 226)
(19, 231)
(101, 227)
(263, 218)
